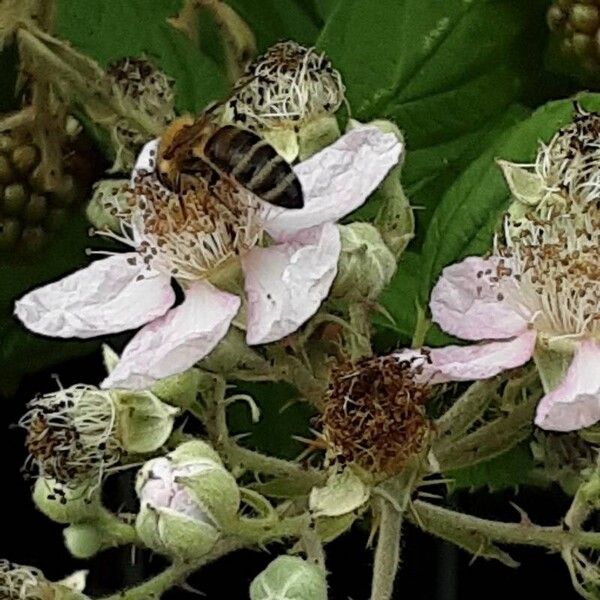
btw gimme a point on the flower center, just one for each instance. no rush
(557, 270)
(190, 235)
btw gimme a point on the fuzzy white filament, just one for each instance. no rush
(71, 435)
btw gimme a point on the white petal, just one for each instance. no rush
(337, 180)
(146, 159)
(285, 284)
(470, 363)
(575, 403)
(176, 341)
(110, 295)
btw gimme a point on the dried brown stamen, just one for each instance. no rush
(374, 414)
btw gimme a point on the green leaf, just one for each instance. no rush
(108, 30)
(276, 20)
(513, 468)
(465, 220)
(435, 69)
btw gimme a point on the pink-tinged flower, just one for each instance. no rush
(196, 239)
(541, 289)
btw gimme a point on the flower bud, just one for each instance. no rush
(289, 578)
(83, 540)
(366, 265)
(65, 504)
(187, 498)
(152, 94)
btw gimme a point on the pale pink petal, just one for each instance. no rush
(575, 403)
(176, 341)
(469, 363)
(110, 295)
(337, 180)
(285, 284)
(471, 302)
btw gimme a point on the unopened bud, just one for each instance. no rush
(83, 540)
(187, 499)
(366, 265)
(289, 578)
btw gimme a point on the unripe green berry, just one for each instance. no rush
(6, 142)
(582, 44)
(7, 173)
(25, 158)
(66, 193)
(10, 231)
(584, 18)
(556, 17)
(15, 198)
(36, 209)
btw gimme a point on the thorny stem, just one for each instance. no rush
(524, 533)
(174, 575)
(115, 531)
(492, 439)
(360, 339)
(177, 573)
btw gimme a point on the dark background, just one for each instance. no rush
(431, 570)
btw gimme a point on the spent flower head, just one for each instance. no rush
(374, 414)
(77, 435)
(72, 435)
(286, 87)
(151, 92)
(565, 169)
(27, 583)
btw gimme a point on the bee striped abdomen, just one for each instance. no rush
(254, 164)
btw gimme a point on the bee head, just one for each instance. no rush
(173, 137)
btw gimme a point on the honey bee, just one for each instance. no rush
(200, 149)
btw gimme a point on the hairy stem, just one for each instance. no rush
(174, 575)
(524, 533)
(387, 553)
(494, 438)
